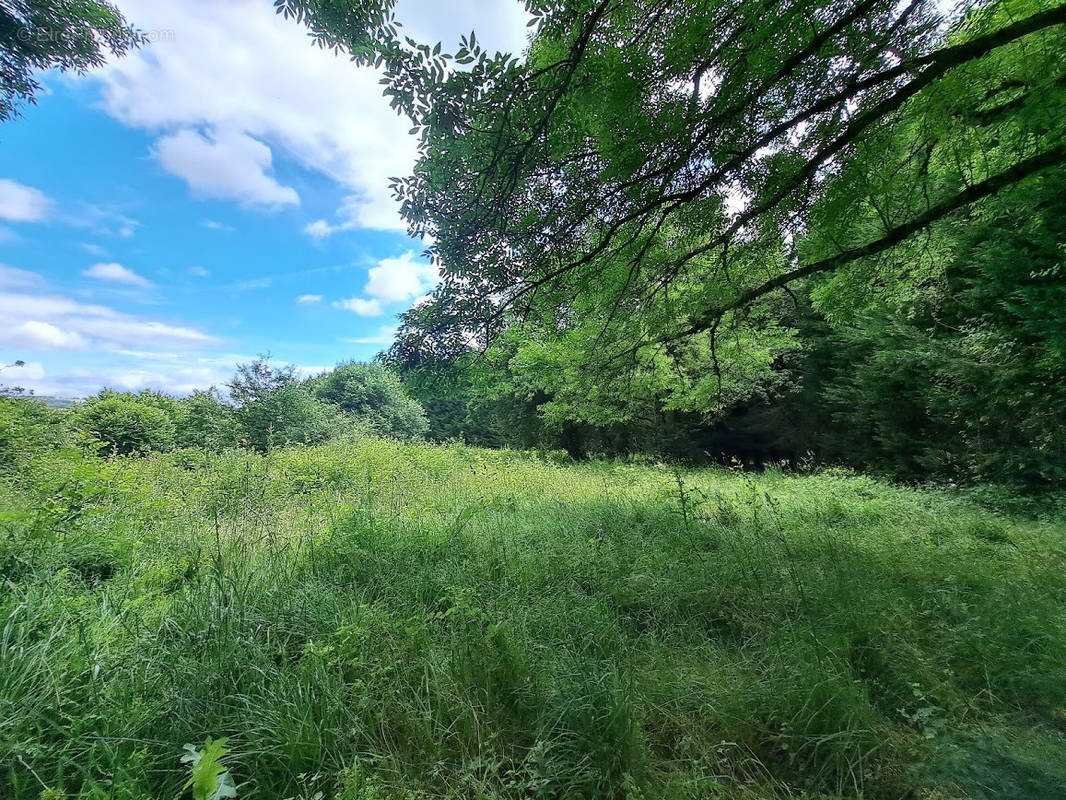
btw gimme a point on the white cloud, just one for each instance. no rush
(199, 272)
(101, 220)
(361, 306)
(500, 24)
(94, 249)
(227, 165)
(116, 273)
(320, 229)
(306, 299)
(215, 225)
(352, 214)
(49, 322)
(18, 375)
(254, 78)
(385, 335)
(241, 70)
(20, 203)
(396, 280)
(36, 335)
(83, 373)
(15, 278)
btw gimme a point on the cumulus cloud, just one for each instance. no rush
(243, 71)
(21, 203)
(320, 229)
(404, 279)
(116, 273)
(396, 280)
(351, 214)
(226, 165)
(51, 322)
(279, 92)
(307, 299)
(361, 306)
(199, 272)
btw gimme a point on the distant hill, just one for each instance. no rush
(48, 400)
(57, 402)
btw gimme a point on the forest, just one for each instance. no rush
(726, 459)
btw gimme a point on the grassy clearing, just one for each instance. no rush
(379, 620)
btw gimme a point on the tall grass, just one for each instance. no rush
(378, 620)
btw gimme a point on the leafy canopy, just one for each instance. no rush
(37, 35)
(654, 169)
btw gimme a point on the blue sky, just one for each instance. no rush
(218, 194)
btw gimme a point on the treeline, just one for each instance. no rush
(834, 233)
(265, 406)
(962, 377)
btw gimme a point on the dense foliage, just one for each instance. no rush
(267, 406)
(130, 424)
(27, 428)
(674, 230)
(706, 228)
(375, 395)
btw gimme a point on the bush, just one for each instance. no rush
(289, 415)
(371, 393)
(207, 422)
(28, 426)
(129, 424)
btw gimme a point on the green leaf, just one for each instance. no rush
(208, 779)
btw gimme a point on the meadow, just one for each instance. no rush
(373, 619)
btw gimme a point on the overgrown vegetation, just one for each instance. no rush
(267, 406)
(718, 228)
(780, 236)
(378, 620)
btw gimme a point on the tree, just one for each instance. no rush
(964, 378)
(127, 424)
(208, 422)
(289, 415)
(29, 427)
(37, 35)
(651, 171)
(258, 379)
(372, 394)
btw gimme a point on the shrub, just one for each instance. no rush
(207, 422)
(289, 415)
(28, 426)
(129, 424)
(371, 393)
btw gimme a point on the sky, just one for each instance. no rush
(218, 194)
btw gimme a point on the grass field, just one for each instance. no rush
(377, 620)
